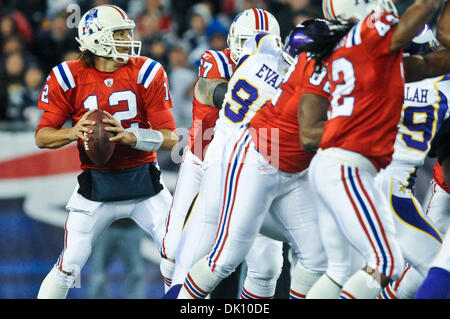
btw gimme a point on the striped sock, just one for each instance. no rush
(166, 268)
(388, 293)
(258, 289)
(302, 281)
(361, 286)
(199, 282)
(324, 288)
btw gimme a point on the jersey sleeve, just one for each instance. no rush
(54, 99)
(374, 33)
(155, 90)
(214, 65)
(163, 120)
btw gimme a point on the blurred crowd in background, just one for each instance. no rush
(36, 35)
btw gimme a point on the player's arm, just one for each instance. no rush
(412, 21)
(312, 115)
(443, 26)
(210, 91)
(418, 67)
(50, 136)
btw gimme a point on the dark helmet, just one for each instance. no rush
(424, 42)
(302, 35)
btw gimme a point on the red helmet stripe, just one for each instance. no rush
(123, 14)
(256, 19)
(266, 19)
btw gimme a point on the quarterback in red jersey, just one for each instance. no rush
(364, 61)
(133, 92)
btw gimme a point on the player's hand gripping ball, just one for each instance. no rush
(99, 149)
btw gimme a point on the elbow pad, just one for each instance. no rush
(147, 140)
(219, 94)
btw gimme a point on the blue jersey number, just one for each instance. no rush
(418, 119)
(244, 95)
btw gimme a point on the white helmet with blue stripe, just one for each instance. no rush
(346, 11)
(246, 25)
(96, 33)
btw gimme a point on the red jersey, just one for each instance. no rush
(275, 128)
(135, 94)
(213, 65)
(438, 176)
(367, 86)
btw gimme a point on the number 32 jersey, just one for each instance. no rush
(367, 86)
(137, 94)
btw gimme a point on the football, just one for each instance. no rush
(99, 149)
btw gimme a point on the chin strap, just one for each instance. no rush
(147, 140)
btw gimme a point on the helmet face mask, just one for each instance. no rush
(248, 24)
(346, 11)
(96, 33)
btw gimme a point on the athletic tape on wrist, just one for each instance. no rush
(147, 140)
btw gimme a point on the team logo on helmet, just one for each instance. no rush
(91, 23)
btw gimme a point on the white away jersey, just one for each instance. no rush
(424, 109)
(255, 80)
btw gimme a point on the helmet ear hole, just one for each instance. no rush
(96, 41)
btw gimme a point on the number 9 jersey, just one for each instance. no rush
(255, 81)
(424, 109)
(136, 94)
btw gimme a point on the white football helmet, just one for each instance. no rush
(346, 11)
(95, 33)
(246, 25)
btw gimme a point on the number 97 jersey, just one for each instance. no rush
(424, 109)
(136, 94)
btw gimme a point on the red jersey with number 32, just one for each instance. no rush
(275, 128)
(367, 87)
(135, 94)
(213, 65)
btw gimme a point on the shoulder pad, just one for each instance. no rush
(147, 72)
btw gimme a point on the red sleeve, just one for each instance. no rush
(157, 95)
(163, 120)
(53, 98)
(374, 33)
(50, 119)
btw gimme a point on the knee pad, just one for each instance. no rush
(269, 269)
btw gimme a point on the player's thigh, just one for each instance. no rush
(151, 215)
(265, 258)
(442, 260)
(247, 200)
(296, 213)
(438, 208)
(416, 234)
(186, 189)
(81, 231)
(360, 210)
